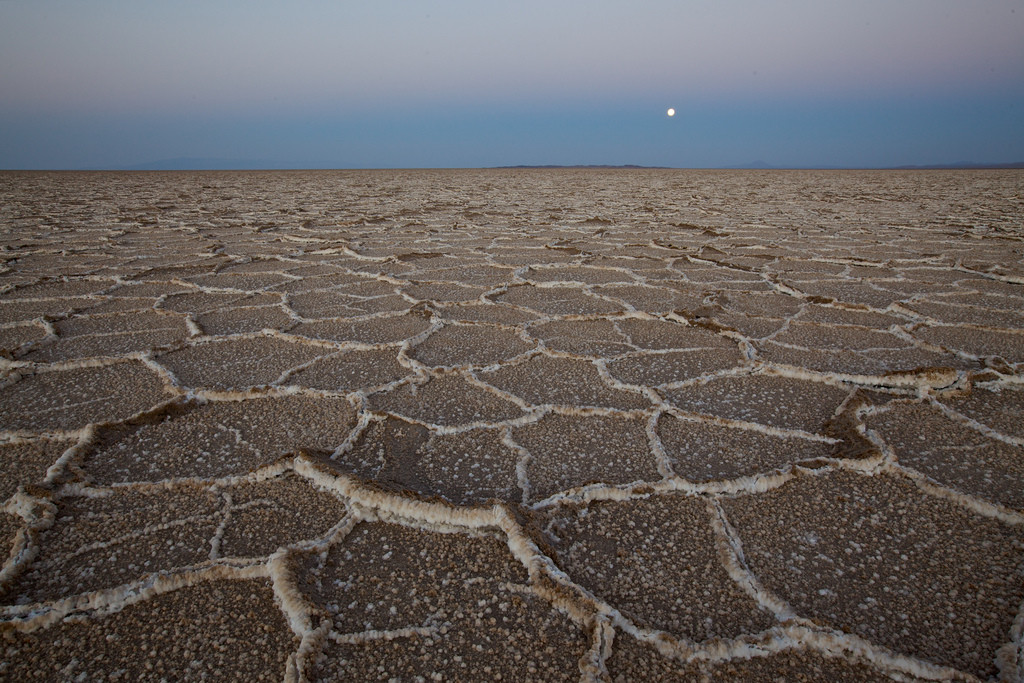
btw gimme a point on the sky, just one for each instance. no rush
(466, 83)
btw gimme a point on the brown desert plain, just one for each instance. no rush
(512, 424)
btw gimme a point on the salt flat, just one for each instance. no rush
(516, 424)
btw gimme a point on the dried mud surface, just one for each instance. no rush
(512, 425)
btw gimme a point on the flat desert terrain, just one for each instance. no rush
(518, 425)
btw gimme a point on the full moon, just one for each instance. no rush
(671, 112)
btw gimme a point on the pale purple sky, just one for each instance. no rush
(319, 83)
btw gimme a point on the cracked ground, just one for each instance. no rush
(512, 425)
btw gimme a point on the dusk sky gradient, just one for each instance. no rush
(334, 84)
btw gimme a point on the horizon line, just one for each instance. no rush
(191, 164)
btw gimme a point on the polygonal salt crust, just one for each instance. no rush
(246, 282)
(270, 514)
(632, 660)
(197, 267)
(10, 525)
(59, 289)
(446, 400)
(838, 337)
(598, 338)
(751, 326)
(219, 439)
(444, 292)
(258, 266)
(330, 304)
(467, 468)
(766, 399)
(67, 400)
(380, 304)
(581, 274)
(985, 303)
(847, 292)
(831, 315)
(109, 304)
(238, 363)
(653, 300)
(970, 314)
(111, 335)
(663, 335)
(871, 362)
(368, 287)
(485, 313)
(386, 330)
(208, 630)
(715, 274)
(525, 256)
(103, 542)
(705, 452)
(352, 370)
(390, 442)
(1007, 345)
(657, 561)
(463, 594)
(910, 289)
(469, 345)
(990, 286)
(675, 366)
(952, 453)
(26, 311)
(799, 265)
(557, 300)
(798, 666)
(315, 282)
(26, 463)
(999, 410)
(562, 381)
(876, 557)
(768, 304)
(207, 302)
(13, 338)
(244, 320)
(480, 275)
(569, 451)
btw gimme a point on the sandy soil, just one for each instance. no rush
(512, 425)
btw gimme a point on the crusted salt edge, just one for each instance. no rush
(931, 379)
(522, 463)
(657, 448)
(974, 504)
(730, 555)
(32, 617)
(781, 432)
(977, 426)
(225, 518)
(593, 663)
(890, 463)
(86, 437)
(38, 515)
(1010, 657)
(371, 635)
(805, 637)
(399, 506)
(300, 614)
